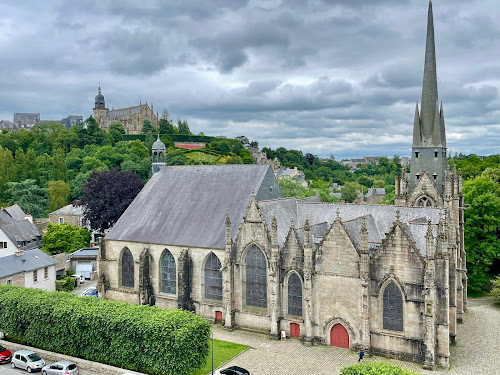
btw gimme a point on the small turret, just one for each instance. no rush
(158, 155)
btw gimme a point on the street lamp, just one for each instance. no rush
(212, 352)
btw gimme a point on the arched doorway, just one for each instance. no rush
(294, 330)
(339, 336)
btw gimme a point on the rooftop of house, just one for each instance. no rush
(69, 209)
(25, 261)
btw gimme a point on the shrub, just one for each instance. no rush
(65, 284)
(140, 338)
(375, 368)
(495, 290)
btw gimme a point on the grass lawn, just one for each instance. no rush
(223, 352)
(201, 157)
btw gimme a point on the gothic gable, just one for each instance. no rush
(425, 193)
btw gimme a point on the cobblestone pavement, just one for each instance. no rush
(477, 350)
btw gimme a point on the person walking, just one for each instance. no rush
(361, 355)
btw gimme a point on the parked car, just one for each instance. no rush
(90, 292)
(61, 368)
(233, 370)
(5, 355)
(27, 360)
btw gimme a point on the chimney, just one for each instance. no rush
(19, 252)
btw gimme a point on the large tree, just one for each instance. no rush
(147, 127)
(482, 229)
(29, 196)
(107, 194)
(64, 238)
(58, 194)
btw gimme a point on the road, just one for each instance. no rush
(7, 370)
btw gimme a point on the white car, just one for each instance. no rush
(27, 360)
(90, 292)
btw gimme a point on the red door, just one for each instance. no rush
(218, 317)
(339, 336)
(294, 330)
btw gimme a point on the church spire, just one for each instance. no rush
(430, 116)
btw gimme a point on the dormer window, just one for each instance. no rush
(435, 154)
(416, 154)
(417, 176)
(435, 176)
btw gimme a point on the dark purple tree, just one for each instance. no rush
(310, 158)
(107, 194)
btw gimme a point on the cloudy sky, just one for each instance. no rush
(328, 77)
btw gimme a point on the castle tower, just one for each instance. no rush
(100, 111)
(158, 155)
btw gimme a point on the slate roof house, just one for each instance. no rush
(69, 214)
(31, 269)
(223, 242)
(17, 231)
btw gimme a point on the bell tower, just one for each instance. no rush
(100, 111)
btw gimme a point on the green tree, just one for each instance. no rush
(7, 171)
(166, 124)
(495, 288)
(482, 229)
(29, 196)
(148, 128)
(92, 135)
(183, 127)
(64, 238)
(59, 168)
(116, 131)
(350, 191)
(58, 194)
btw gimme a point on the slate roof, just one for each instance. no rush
(22, 231)
(114, 113)
(15, 212)
(68, 210)
(30, 260)
(86, 252)
(379, 220)
(186, 205)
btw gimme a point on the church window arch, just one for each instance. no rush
(213, 278)
(392, 307)
(294, 295)
(256, 277)
(127, 268)
(424, 202)
(168, 273)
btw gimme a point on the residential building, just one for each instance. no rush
(71, 121)
(84, 262)
(25, 120)
(17, 231)
(31, 269)
(69, 214)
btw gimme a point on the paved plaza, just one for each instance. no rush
(477, 350)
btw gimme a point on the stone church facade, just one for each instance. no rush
(132, 118)
(223, 242)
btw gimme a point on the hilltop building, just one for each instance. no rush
(131, 117)
(222, 241)
(25, 120)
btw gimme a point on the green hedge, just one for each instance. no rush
(66, 284)
(139, 338)
(173, 137)
(375, 368)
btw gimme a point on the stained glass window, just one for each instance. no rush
(256, 277)
(393, 308)
(127, 269)
(294, 295)
(213, 278)
(168, 273)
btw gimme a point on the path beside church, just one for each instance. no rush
(476, 352)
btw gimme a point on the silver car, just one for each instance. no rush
(61, 367)
(27, 360)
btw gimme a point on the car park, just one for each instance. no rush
(61, 368)
(233, 370)
(27, 360)
(90, 292)
(5, 355)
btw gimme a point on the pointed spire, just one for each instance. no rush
(429, 87)
(417, 135)
(228, 219)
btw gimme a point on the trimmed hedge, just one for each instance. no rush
(139, 338)
(375, 368)
(66, 284)
(174, 137)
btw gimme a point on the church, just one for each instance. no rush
(223, 242)
(132, 118)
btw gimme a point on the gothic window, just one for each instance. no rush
(127, 269)
(256, 280)
(393, 308)
(294, 295)
(168, 273)
(424, 202)
(213, 278)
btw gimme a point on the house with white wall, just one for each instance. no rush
(31, 269)
(17, 231)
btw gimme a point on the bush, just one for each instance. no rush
(375, 368)
(495, 290)
(140, 338)
(65, 284)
